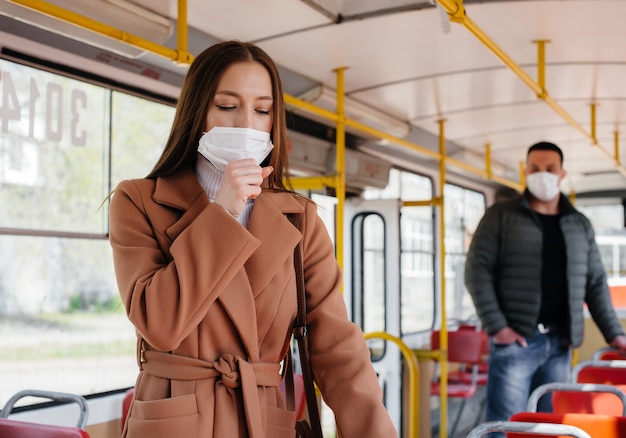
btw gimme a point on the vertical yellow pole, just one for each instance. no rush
(181, 26)
(593, 123)
(488, 160)
(541, 66)
(443, 341)
(522, 173)
(182, 33)
(340, 176)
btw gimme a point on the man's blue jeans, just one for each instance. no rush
(515, 371)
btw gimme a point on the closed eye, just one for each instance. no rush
(225, 108)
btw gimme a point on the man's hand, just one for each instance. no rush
(620, 343)
(242, 181)
(507, 336)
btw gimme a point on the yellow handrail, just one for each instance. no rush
(183, 57)
(413, 376)
(179, 56)
(456, 11)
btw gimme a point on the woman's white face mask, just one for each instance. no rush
(543, 185)
(222, 145)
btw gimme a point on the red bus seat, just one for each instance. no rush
(22, 429)
(600, 426)
(299, 395)
(608, 353)
(128, 399)
(464, 374)
(582, 398)
(527, 428)
(10, 428)
(464, 347)
(609, 372)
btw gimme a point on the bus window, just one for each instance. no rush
(64, 143)
(139, 131)
(463, 210)
(368, 253)
(417, 254)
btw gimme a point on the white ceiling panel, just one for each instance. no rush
(403, 60)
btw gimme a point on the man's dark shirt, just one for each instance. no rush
(554, 306)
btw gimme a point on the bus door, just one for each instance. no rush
(372, 286)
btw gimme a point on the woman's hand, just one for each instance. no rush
(242, 181)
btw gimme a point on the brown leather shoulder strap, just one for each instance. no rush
(300, 333)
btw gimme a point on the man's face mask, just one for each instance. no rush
(543, 185)
(222, 145)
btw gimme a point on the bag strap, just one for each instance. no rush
(300, 333)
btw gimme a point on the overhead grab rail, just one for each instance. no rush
(314, 109)
(456, 12)
(181, 56)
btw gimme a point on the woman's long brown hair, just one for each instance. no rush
(196, 95)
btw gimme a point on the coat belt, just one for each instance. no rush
(232, 371)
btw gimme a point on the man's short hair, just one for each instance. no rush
(545, 146)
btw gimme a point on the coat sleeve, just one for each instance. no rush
(167, 293)
(597, 295)
(339, 355)
(480, 270)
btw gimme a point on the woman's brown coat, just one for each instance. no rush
(213, 304)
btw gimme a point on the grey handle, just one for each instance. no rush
(52, 395)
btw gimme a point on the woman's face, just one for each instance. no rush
(243, 98)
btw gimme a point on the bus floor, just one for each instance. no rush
(472, 415)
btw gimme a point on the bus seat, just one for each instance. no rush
(527, 428)
(128, 398)
(299, 394)
(596, 425)
(464, 347)
(608, 353)
(609, 372)
(22, 429)
(464, 373)
(582, 398)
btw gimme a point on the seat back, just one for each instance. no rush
(10, 428)
(299, 394)
(610, 372)
(483, 364)
(128, 399)
(608, 353)
(588, 402)
(464, 350)
(589, 398)
(22, 429)
(464, 346)
(604, 426)
(527, 428)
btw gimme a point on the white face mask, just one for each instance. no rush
(543, 185)
(222, 145)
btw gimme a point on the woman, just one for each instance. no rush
(203, 253)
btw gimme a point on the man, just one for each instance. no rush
(532, 264)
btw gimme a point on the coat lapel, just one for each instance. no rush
(278, 237)
(181, 191)
(183, 194)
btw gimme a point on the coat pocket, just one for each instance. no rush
(165, 417)
(281, 423)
